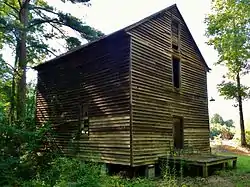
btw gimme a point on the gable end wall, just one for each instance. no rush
(154, 101)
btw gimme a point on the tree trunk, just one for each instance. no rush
(22, 64)
(13, 87)
(242, 127)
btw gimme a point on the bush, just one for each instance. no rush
(223, 131)
(117, 181)
(248, 136)
(237, 136)
(65, 171)
(20, 143)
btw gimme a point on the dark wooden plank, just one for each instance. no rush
(155, 101)
(97, 76)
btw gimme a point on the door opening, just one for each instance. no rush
(178, 132)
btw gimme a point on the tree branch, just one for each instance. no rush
(57, 29)
(11, 6)
(14, 69)
(44, 9)
(58, 22)
(44, 21)
(51, 52)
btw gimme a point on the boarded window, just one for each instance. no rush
(176, 72)
(175, 34)
(84, 119)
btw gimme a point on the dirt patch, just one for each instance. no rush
(219, 181)
(232, 149)
(212, 181)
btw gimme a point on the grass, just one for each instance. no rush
(239, 177)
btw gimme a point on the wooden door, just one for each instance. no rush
(178, 133)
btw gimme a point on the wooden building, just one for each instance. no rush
(131, 96)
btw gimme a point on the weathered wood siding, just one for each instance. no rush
(97, 77)
(154, 100)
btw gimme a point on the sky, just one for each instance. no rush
(111, 15)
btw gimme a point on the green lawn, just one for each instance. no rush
(240, 177)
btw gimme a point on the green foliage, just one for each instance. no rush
(230, 91)
(219, 127)
(215, 130)
(64, 171)
(28, 27)
(5, 88)
(228, 31)
(248, 132)
(238, 177)
(228, 28)
(217, 119)
(72, 42)
(229, 123)
(248, 136)
(44, 23)
(19, 144)
(117, 181)
(31, 100)
(222, 131)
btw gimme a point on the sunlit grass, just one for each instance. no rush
(240, 176)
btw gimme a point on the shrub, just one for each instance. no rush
(20, 143)
(65, 171)
(223, 131)
(248, 136)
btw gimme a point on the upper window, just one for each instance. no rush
(176, 72)
(84, 119)
(175, 27)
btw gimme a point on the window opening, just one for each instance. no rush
(84, 120)
(175, 27)
(176, 72)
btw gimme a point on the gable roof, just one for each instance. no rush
(126, 29)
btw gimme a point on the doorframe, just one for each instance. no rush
(182, 127)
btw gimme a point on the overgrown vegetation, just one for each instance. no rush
(220, 128)
(28, 27)
(28, 154)
(228, 28)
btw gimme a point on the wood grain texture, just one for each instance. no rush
(154, 99)
(96, 76)
(125, 82)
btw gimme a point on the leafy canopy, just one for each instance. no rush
(228, 29)
(229, 33)
(217, 119)
(45, 24)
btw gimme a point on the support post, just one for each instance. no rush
(223, 165)
(150, 171)
(204, 171)
(234, 163)
(226, 164)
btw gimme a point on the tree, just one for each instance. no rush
(228, 29)
(5, 88)
(220, 127)
(217, 119)
(26, 26)
(229, 123)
